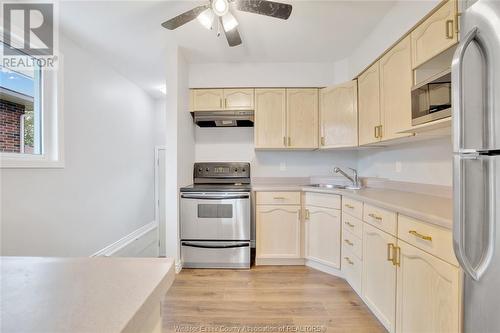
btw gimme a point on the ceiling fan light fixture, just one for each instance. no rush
(220, 7)
(229, 22)
(206, 18)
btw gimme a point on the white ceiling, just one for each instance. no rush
(128, 34)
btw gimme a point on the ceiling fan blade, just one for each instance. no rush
(233, 37)
(264, 7)
(184, 17)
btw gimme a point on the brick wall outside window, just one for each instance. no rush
(10, 126)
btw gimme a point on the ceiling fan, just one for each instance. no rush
(218, 11)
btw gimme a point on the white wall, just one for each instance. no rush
(428, 162)
(236, 144)
(260, 75)
(105, 191)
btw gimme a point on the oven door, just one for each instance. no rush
(215, 216)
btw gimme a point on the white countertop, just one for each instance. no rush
(96, 294)
(428, 208)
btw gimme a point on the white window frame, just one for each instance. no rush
(52, 124)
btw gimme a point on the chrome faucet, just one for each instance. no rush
(354, 179)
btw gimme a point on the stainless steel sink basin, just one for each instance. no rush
(327, 186)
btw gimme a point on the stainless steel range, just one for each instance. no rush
(215, 217)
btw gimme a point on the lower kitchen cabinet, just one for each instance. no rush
(322, 235)
(379, 275)
(278, 232)
(428, 290)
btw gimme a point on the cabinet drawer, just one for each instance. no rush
(351, 267)
(383, 219)
(430, 238)
(353, 225)
(352, 207)
(352, 244)
(278, 198)
(323, 200)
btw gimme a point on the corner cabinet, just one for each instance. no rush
(369, 105)
(286, 119)
(436, 34)
(339, 116)
(270, 117)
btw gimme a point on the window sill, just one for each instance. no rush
(24, 161)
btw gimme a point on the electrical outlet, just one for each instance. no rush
(399, 166)
(282, 166)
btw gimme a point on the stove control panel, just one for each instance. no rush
(222, 170)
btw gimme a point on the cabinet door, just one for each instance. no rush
(238, 99)
(339, 116)
(428, 292)
(435, 34)
(278, 231)
(379, 275)
(302, 118)
(270, 109)
(395, 90)
(207, 99)
(322, 235)
(369, 105)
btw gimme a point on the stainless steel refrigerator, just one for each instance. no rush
(476, 178)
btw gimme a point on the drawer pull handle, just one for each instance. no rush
(279, 198)
(349, 206)
(349, 260)
(375, 217)
(349, 224)
(419, 235)
(348, 242)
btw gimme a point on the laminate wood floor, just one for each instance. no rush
(264, 299)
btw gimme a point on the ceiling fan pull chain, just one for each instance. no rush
(218, 27)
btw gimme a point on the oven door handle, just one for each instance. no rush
(215, 196)
(204, 246)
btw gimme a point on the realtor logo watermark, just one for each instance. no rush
(29, 35)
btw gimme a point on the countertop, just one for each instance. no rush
(428, 208)
(98, 294)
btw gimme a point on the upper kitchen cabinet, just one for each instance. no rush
(369, 105)
(238, 99)
(207, 99)
(270, 116)
(395, 91)
(339, 116)
(302, 118)
(436, 34)
(222, 99)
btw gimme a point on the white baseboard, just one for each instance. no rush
(324, 268)
(138, 243)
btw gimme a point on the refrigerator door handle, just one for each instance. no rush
(458, 226)
(457, 96)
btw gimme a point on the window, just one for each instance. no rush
(30, 116)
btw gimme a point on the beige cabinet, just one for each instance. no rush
(436, 34)
(369, 105)
(322, 235)
(379, 275)
(270, 116)
(395, 90)
(427, 292)
(239, 99)
(207, 99)
(302, 118)
(339, 116)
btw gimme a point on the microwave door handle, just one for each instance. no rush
(457, 88)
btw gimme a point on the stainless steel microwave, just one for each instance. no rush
(431, 99)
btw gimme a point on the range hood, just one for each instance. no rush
(224, 118)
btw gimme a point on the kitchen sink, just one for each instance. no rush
(332, 186)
